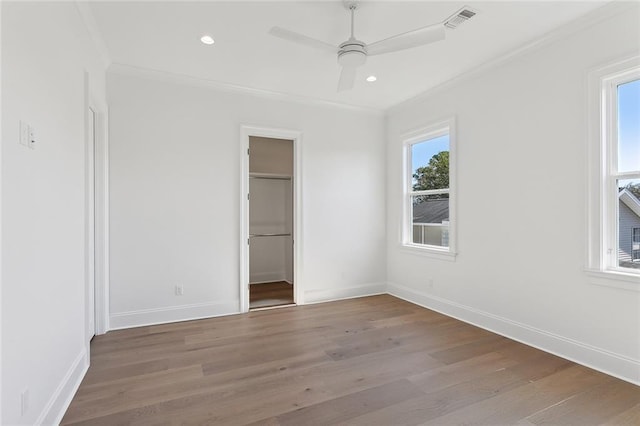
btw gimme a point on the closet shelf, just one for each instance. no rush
(269, 176)
(269, 235)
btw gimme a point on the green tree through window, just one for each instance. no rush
(435, 175)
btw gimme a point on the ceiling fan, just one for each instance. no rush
(353, 52)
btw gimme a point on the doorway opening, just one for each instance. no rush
(271, 234)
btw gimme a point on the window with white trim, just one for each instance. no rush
(428, 189)
(617, 249)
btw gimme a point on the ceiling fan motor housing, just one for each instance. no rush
(352, 53)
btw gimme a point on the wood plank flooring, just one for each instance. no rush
(369, 361)
(270, 294)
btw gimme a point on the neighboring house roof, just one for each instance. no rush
(630, 201)
(431, 211)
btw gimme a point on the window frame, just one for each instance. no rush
(635, 239)
(424, 134)
(603, 239)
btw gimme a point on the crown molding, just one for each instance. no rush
(94, 33)
(168, 77)
(594, 17)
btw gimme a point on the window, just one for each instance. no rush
(625, 167)
(615, 170)
(428, 190)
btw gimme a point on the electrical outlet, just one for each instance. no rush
(24, 402)
(27, 135)
(32, 138)
(179, 289)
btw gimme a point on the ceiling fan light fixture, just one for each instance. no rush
(207, 39)
(353, 53)
(352, 58)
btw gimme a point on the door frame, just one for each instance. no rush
(90, 222)
(246, 131)
(96, 215)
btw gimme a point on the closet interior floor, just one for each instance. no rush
(270, 294)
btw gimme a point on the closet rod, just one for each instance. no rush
(271, 177)
(269, 235)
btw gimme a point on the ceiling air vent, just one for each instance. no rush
(459, 17)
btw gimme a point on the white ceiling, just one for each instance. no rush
(164, 36)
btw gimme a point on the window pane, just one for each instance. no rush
(430, 164)
(629, 126)
(430, 220)
(629, 223)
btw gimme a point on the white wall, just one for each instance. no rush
(522, 188)
(175, 182)
(45, 52)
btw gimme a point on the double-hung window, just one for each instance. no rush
(429, 223)
(615, 171)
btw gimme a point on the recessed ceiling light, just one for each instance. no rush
(371, 78)
(207, 39)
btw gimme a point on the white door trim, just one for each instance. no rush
(298, 282)
(101, 170)
(96, 216)
(89, 227)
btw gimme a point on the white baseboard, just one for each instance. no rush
(59, 402)
(610, 363)
(330, 294)
(170, 314)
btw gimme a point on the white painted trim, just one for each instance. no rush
(97, 164)
(59, 402)
(608, 362)
(630, 200)
(89, 214)
(614, 279)
(342, 293)
(266, 132)
(168, 77)
(144, 317)
(102, 217)
(1, 240)
(269, 308)
(434, 130)
(601, 171)
(91, 26)
(592, 18)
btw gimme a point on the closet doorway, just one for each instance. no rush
(270, 222)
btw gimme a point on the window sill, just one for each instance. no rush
(430, 252)
(615, 279)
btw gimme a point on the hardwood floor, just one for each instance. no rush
(369, 361)
(270, 294)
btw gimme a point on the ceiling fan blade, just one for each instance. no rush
(347, 78)
(302, 39)
(407, 40)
